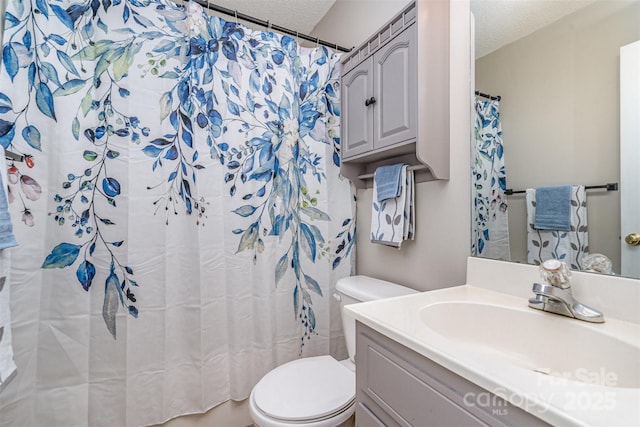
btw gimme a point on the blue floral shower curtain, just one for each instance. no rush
(180, 213)
(490, 223)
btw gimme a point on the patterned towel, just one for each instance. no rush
(410, 207)
(393, 220)
(568, 246)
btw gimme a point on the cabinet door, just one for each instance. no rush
(357, 118)
(395, 386)
(395, 90)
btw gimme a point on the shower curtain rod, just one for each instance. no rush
(486, 95)
(268, 25)
(612, 186)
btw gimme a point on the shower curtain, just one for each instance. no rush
(180, 214)
(490, 222)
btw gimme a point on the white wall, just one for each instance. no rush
(437, 258)
(560, 113)
(349, 22)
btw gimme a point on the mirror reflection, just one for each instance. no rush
(558, 117)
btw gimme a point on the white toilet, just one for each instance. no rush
(319, 391)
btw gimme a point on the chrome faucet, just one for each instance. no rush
(556, 297)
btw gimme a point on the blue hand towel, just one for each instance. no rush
(388, 181)
(553, 208)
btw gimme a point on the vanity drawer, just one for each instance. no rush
(399, 387)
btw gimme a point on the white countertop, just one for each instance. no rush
(555, 400)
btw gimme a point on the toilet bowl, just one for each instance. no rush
(319, 391)
(322, 395)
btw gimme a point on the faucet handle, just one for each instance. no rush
(555, 273)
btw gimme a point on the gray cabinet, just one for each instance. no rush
(395, 91)
(395, 96)
(357, 118)
(379, 98)
(398, 387)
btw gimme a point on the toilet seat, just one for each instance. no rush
(305, 391)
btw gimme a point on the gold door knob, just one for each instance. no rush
(633, 239)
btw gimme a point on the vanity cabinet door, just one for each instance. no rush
(395, 89)
(396, 386)
(357, 118)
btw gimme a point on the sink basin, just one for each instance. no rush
(564, 371)
(541, 342)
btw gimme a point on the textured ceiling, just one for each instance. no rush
(498, 22)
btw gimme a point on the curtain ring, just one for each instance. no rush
(268, 25)
(236, 14)
(318, 42)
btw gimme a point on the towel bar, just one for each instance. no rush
(612, 186)
(411, 168)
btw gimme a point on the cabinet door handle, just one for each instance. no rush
(370, 101)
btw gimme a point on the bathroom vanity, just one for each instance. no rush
(397, 386)
(478, 355)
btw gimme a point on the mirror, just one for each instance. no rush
(560, 112)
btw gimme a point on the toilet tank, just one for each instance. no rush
(355, 289)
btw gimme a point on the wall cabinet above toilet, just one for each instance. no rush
(380, 99)
(395, 96)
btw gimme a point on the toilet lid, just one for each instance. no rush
(306, 389)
